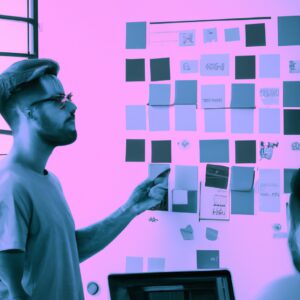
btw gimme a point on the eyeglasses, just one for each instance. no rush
(60, 99)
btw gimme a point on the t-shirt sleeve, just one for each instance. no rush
(15, 214)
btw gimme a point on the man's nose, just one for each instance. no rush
(70, 106)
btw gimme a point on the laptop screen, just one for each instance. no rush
(193, 285)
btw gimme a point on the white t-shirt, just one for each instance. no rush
(35, 218)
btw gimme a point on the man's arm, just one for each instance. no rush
(11, 273)
(94, 238)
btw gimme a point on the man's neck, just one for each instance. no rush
(31, 154)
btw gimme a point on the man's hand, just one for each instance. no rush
(148, 194)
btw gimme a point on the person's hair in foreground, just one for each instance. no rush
(294, 222)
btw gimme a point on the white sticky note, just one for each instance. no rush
(180, 197)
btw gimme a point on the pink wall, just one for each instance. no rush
(88, 40)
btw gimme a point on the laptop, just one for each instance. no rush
(191, 285)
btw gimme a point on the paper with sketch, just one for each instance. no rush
(214, 203)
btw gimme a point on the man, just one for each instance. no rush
(288, 287)
(40, 250)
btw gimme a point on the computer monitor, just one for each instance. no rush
(192, 285)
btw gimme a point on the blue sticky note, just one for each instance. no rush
(159, 119)
(242, 203)
(242, 120)
(213, 96)
(211, 234)
(186, 92)
(214, 65)
(269, 190)
(187, 38)
(190, 206)
(288, 175)
(242, 178)
(136, 35)
(269, 66)
(215, 120)
(288, 31)
(232, 34)
(135, 117)
(269, 96)
(188, 66)
(214, 151)
(186, 177)
(159, 94)
(134, 264)
(291, 93)
(185, 118)
(242, 95)
(269, 120)
(156, 264)
(210, 35)
(208, 259)
(156, 169)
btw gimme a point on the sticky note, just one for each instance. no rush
(208, 259)
(135, 150)
(156, 169)
(185, 118)
(291, 93)
(214, 120)
(180, 197)
(160, 69)
(291, 121)
(214, 151)
(269, 190)
(187, 232)
(242, 178)
(255, 35)
(269, 120)
(211, 234)
(242, 95)
(190, 207)
(269, 66)
(242, 120)
(159, 119)
(232, 34)
(242, 203)
(188, 66)
(135, 69)
(136, 35)
(186, 92)
(210, 35)
(245, 67)
(156, 264)
(213, 96)
(214, 65)
(245, 152)
(186, 177)
(134, 264)
(269, 96)
(187, 38)
(288, 31)
(288, 175)
(294, 66)
(159, 94)
(135, 117)
(216, 176)
(161, 151)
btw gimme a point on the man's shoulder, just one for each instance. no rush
(10, 177)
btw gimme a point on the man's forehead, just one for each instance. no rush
(45, 87)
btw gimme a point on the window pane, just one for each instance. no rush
(6, 61)
(13, 8)
(13, 36)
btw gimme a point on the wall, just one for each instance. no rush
(88, 40)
